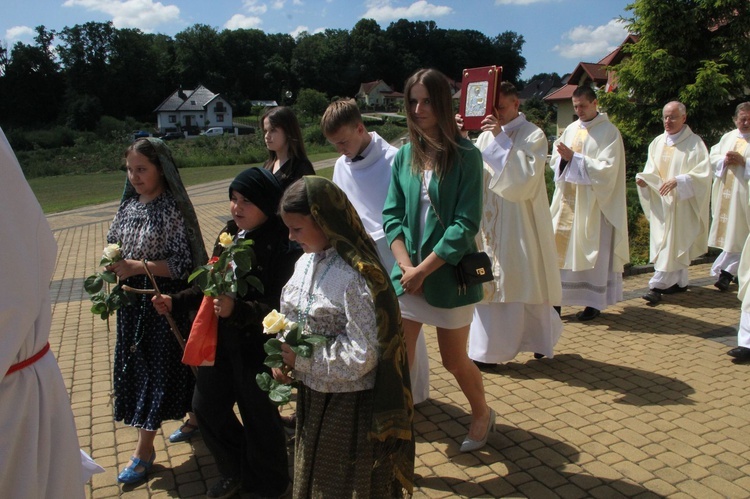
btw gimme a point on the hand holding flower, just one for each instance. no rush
(223, 306)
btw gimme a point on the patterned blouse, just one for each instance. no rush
(332, 299)
(155, 230)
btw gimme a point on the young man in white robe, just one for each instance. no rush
(674, 189)
(363, 172)
(589, 212)
(516, 314)
(730, 221)
(39, 452)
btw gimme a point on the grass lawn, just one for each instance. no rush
(66, 192)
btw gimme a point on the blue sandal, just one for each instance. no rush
(130, 475)
(181, 435)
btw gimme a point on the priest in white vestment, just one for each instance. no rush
(39, 452)
(674, 189)
(589, 213)
(363, 172)
(730, 221)
(516, 314)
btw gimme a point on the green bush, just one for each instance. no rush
(313, 135)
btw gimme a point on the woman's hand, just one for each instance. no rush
(412, 279)
(288, 355)
(223, 306)
(162, 304)
(126, 268)
(281, 375)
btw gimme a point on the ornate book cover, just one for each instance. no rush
(478, 92)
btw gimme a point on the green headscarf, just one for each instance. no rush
(180, 195)
(393, 410)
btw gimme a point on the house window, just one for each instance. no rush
(172, 118)
(192, 102)
(219, 107)
(220, 118)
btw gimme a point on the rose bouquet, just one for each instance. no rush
(229, 272)
(301, 344)
(106, 301)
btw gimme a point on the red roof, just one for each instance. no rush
(563, 93)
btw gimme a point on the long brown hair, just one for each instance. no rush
(284, 118)
(446, 144)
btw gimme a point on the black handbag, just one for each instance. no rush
(473, 268)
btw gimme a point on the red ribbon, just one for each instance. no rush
(29, 361)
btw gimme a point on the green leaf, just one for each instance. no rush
(109, 276)
(264, 381)
(241, 287)
(197, 272)
(243, 260)
(255, 282)
(280, 394)
(99, 308)
(272, 346)
(315, 339)
(303, 350)
(274, 360)
(93, 283)
(293, 337)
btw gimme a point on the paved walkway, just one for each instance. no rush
(642, 402)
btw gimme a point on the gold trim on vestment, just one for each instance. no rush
(726, 195)
(567, 205)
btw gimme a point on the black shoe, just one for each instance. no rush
(538, 355)
(725, 279)
(673, 289)
(588, 313)
(224, 488)
(484, 365)
(740, 353)
(653, 296)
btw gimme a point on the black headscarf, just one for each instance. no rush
(260, 187)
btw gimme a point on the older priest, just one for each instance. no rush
(730, 223)
(674, 189)
(516, 314)
(588, 208)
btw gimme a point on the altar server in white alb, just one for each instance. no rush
(730, 221)
(674, 189)
(39, 453)
(517, 313)
(589, 213)
(363, 172)
(741, 352)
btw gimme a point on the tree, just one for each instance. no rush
(700, 57)
(311, 103)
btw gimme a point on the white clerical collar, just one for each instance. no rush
(586, 124)
(672, 137)
(514, 123)
(745, 136)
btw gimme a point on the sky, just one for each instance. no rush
(558, 33)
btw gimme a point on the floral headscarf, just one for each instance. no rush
(392, 400)
(180, 195)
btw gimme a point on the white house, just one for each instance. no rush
(378, 94)
(199, 108)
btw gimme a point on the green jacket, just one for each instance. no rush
(458, 198)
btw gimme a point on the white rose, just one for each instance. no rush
(112, 252)
(274, 322)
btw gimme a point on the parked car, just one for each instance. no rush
(214, 131)
(172, 136)
(137, 134)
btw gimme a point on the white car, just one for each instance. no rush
(214, 131)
